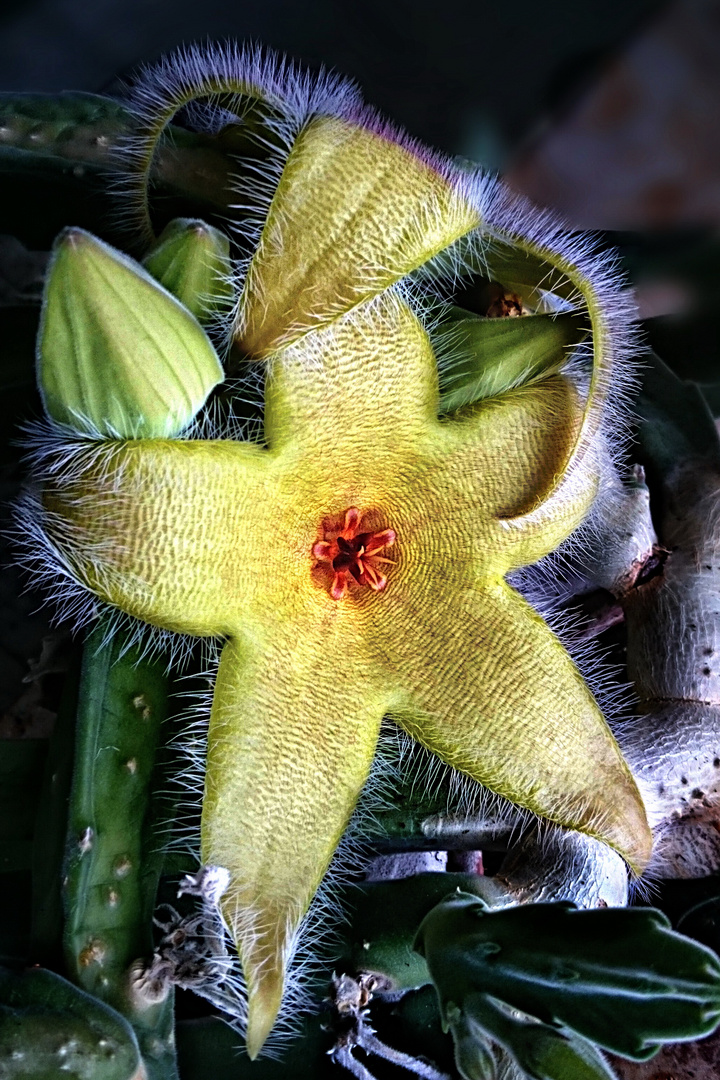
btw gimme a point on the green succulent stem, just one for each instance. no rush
(383, 918)
(619, 978)
(72, 135)
(51, 828)
(114, 852)
(49, 1028)
(75, 127)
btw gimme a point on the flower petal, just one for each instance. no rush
(498, 697)
(137, 526)
(290, 746)
(326, 400)
(353, 212)
(512, 449)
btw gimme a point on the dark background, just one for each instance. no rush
(495, 82)
(442, 69)
(609, 110)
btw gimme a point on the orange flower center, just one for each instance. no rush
(352, 555)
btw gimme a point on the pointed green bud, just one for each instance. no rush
(192, 260)
(474, 1055)
(117, 354)
(488, 357)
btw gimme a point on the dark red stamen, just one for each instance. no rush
(352, 554)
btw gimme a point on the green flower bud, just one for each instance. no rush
(117, 354)
(192, 260)
(474, 1055)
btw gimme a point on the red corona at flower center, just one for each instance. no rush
(351, 554)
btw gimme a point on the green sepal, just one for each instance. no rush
(620, 977)
(487, 357)
(49, 1028)
(192, 261)
(117, 354)
(541, 1051)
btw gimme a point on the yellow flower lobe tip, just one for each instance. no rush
(632, 836)
(354, 211)
(608, 806)
(264, 1001)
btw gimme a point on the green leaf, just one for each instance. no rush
(117, 354)
(620, 977)
(49, 1028)
(192, 261)
(486, 357)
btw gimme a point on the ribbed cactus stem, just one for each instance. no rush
(72, 126)
(114, 858)
(49, 1028)
(77, 133)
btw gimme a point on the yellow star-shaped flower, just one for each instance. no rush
(355, 564)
